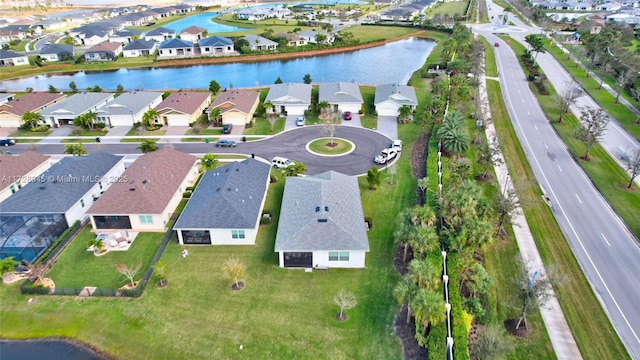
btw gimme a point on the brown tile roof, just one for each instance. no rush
(105, 46)
(193, 30)
(154, 177)
(30, 102)
(235, 99)
(187, 102)
(14, 166)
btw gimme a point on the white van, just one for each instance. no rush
(281, 163)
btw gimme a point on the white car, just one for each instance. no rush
(396, 144)
(281, 163)
(386, 155)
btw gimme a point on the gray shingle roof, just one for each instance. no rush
(229, 197)
(161, 31)
(76, 104)
(140, 44)
(175, 43)
(329, 196)
(7, 54)
(290, 93)
(340, 93)
(56, 197)
(258, 40)
(127, 32)
(57, 49)
(129, 103)
(399, 94)
(216, 41)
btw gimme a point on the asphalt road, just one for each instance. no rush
(607, 252)
(290, 144)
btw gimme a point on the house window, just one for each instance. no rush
(82, 202)
(338, 256)
(237, 234)
(12, 188)
(146, 219)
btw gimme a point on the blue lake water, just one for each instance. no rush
(45, 349)
(389, 63)
(202, 20)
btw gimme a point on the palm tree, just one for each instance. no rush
(404, 112)
(423, 240)
(89, 119)
(454, 141)
(537, 46)
(32, 119)
(149, 117)
(295, 169)
(75, 149)
(324, 107)
(424, 274)
(428, 307)
(423, 216)
(147, 146)
(404, 293)
(208, 162)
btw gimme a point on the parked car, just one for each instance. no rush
(386, 155)
(225, 143)
(347, 115)
(300, 121)
(281, 163)
(226, 128)
(7, 142)
(496, 44)
(396, 144)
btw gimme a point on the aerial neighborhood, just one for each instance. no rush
(389, 179)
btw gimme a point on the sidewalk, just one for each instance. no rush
(557, 327)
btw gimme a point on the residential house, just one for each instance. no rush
(50, 24)
(182, 108)
(92, 34)
(596, 24)
(226, 206)
(7, 35)
(19, 170)
(150, 191)
(262, 13)
(128, 108)
(6, 97)
(258, 43)
(609, 6)
(311, 36)
(125, 36)
(184, 8)
(12, 111)
(56, 52)
(290, 98)
(68, 188)
(216, 45)
(160, 34)
(106, 51)
(390, 97)
(175, 48)
(236, 106)
(139, 47)
(10, 58)
(63, 112)
(321, 223)
(342, 96)
(292, 39)
(193, 34)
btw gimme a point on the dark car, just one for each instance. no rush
(7, 142)
(225, 143)
(226, 128)
(347, 115)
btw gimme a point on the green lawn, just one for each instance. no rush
(490, 67)
(579, 304)
(76, 267)
(330, 147)
(20, 133)
(368, 96)
(375, 33)
(263, 127)
(448, 8)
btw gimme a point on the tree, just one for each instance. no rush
(536, 43)
(632, 164)
(52, 89)
(214, 87)
(476, 279)
(270, 114)
(32, 119)
(404, 292)
(7, 265)
(129, 271)
(492, 344)
(233, 269)
(393, 168)
(592, 129)
(97, 244)
(324, 108)
(345, 300)
(506, 204)
(147, 146)
(215, 116)
(423, 239)
(425, 274)
(422, 185)
(453, 134)
(487, 156)
(404, 113)
(278, 80)
(307, 79)
(208, 162)
(295, 169)
(330, 126)
(428, 308)
(96, 88)
(625, 77)
(160, 271)
(75, 149)
(119, 89)
(568, 97)
(89, 119)
(534, 290)
(149, 117)
(73, 87)
(373, 177)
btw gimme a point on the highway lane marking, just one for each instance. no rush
(575, 233)
(545, 145)
(605, 239)
(578, 197)
(559, 168)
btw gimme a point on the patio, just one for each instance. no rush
(116, 241)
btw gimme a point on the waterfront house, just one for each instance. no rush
(311, 36)
(390, 97)
(193, 33)
(342, 96)
(12, 111)
(10, 58)
(63, 112)
(6, 97)
(216, 45)
(175, 48)
(236, 106)
(258, 43)
(226, 206)
(182, 108)
(105, 51)
(19, 170)
(160, 34)
(290, 98)
(292, 39)
(56, 52)
(125, 36)
(139, 47)
(151, 189)
(321, 223)
(128, 108)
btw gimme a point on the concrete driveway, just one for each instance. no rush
(388, 126)
(291, 122)
(355, 121)
(61, 131)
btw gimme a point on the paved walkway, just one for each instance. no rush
(557, 327)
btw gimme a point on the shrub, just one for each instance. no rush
(53, 246)
(186, 194)
(30, 288)
(41, 128)
(99, 125)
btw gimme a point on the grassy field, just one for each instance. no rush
(620, 112)
(448, 8)
(579, 304)
(490, 67)
(76, 267)
(375, 33)
(263, 127)
(330, 147)
(20, 133)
